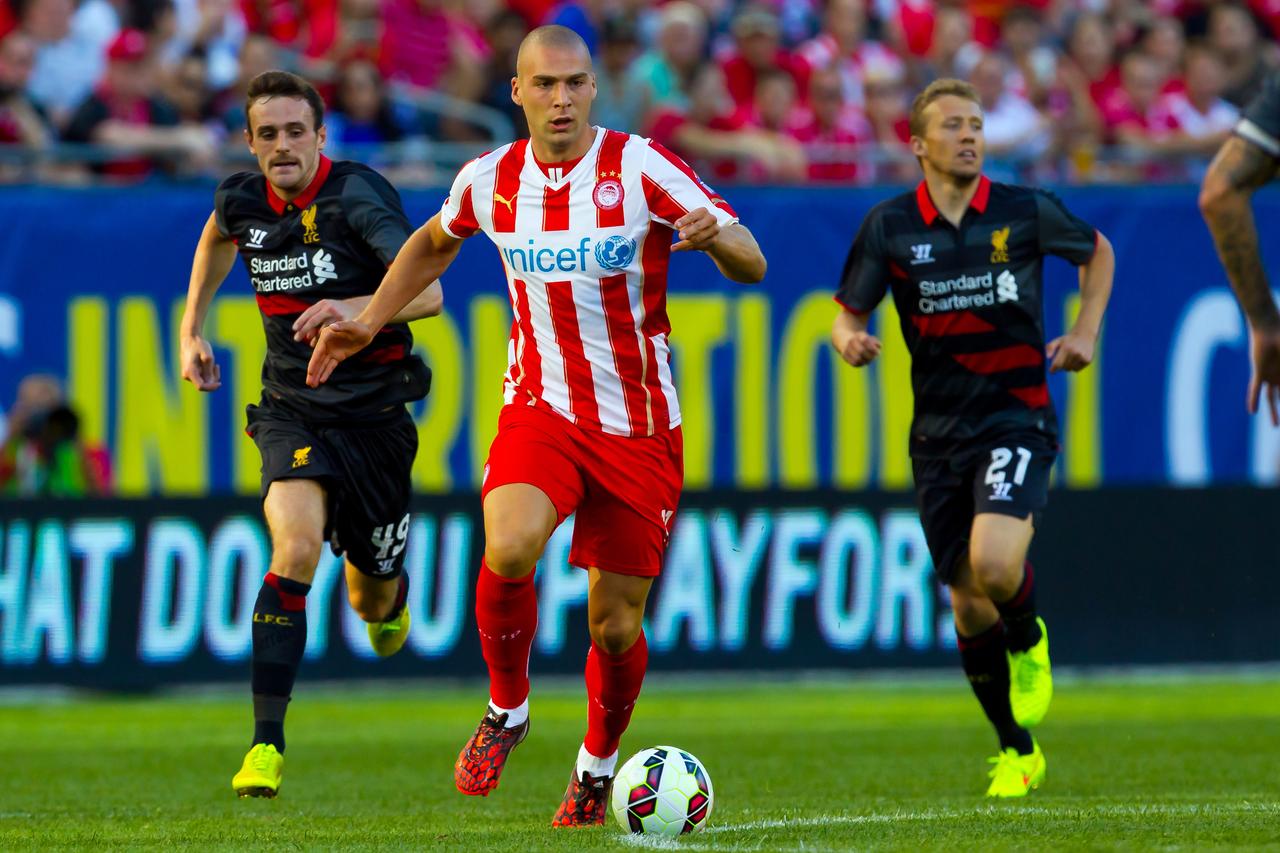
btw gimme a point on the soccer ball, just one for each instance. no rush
(662, 790)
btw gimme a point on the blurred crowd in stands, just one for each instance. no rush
(782, 91)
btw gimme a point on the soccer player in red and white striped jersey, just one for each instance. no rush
(586, 220)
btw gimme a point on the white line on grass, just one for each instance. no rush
(1012, 811)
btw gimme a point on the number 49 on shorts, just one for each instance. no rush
(388, 541)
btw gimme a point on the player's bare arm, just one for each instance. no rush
(421, 261)
(733, 248)
(1240, 168)
(1075, 350)
(851, 339)
(215, 253)
(326, 312)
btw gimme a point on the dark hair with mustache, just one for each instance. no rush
(282, 84)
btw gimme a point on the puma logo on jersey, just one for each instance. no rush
(505, 201)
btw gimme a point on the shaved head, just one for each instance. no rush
(553, 37)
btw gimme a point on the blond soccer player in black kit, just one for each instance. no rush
(316, 237)
(962, 256)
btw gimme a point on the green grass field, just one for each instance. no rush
(813, 766)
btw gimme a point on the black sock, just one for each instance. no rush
(279, 639)
(402, 596)
(1019, 614)
(984, 661)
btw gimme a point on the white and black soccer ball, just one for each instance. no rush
(662, 790)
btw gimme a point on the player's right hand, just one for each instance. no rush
(337, 342)
(860, 348)
(198, 365)
(326, 312)
(1264, 358)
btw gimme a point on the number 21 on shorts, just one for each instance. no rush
(996, 479)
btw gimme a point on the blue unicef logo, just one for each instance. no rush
(616, 252)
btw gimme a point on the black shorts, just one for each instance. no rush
(1007, 476)
(365, 470)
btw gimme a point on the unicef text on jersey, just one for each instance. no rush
(611, 253)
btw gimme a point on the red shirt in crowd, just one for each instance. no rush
(740, 77)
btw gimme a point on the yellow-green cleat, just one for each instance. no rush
(1031, 681)
(387, 638)
(261, 772)
(1016, 775)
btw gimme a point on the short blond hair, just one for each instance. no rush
(938, 89)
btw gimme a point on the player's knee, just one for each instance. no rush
(616, 631)
(512, 552)
(295, 557)
(997, 571)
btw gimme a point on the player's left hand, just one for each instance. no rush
(698, 231)
(323, 313)
(1073, 351)
(336, 343)
(1264, 359)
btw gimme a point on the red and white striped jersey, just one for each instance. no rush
(585, 247)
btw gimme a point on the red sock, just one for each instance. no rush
(507, 614)
(613, 683)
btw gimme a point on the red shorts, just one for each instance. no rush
(624, 490)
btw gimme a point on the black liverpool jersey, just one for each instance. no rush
(970, 304)
(334, 241)
(1260, 123)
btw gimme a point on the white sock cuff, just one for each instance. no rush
(515, 716)
(596, 766)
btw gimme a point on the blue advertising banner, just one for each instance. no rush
(138, 593)
(92, 284)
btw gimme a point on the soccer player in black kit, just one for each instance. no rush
(1246, 161)
(316, 237)
(962, 256)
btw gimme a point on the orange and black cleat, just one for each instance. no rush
(481, 761)
(585, 801)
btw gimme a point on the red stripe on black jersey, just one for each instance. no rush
(954, 323)
(1000, 360)
(278, 304)
(1035, 396)
(385, 355)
